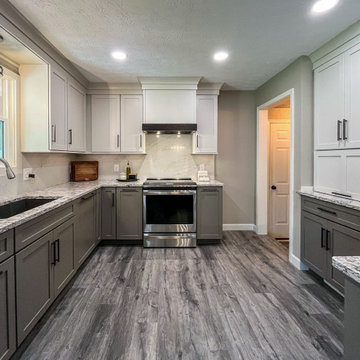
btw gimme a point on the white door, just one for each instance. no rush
(58, 104)
(76, 117)
(351, 132)
(132, 139)
(279, 178)
(329, 104)
(205, 139)
(105, 119)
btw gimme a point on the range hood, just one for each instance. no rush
(169, 104)
(169, 128)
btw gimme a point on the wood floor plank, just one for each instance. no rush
(240, 299)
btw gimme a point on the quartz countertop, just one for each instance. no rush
(63, 194)
(349, 265)
(337, 200)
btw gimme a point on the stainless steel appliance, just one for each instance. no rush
(169, 212)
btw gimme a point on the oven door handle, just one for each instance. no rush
(169, 192)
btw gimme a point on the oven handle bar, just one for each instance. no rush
(169, 192)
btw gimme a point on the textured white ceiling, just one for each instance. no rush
(178, 37)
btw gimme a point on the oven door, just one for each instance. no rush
(169, 211)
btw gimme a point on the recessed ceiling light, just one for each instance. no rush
(221, 56)
(323, 5)
(118, 55)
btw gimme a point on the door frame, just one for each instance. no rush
(262, 168)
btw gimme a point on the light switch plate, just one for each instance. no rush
(26, 173)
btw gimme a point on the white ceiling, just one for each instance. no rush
(178, 37)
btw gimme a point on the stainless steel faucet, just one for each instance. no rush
(9, 171)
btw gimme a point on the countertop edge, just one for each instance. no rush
(348, 265)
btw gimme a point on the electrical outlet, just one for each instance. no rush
(26, 173)
(116, 168)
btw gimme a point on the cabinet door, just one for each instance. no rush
(343, 242)
(84, 228)
(205, 139)
(108, 214)
(313, 243)
(352, 100)
(7, 309)
(58, 105)
(98, 215)
(329, 171)
(129, 214)
(34, 284)
(105, 119)
(209, 213)
(76, 117)
(131, 124)
(352, 173)
(64, 265)
(329, 104)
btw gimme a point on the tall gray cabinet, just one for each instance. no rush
(209, 213)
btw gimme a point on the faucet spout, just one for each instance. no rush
(9, 171)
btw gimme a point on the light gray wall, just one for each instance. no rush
(298, 75)
(235, 163)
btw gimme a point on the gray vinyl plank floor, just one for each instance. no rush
(237, 300)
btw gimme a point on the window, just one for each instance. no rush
(8, 103)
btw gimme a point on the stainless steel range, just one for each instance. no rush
(169, 212)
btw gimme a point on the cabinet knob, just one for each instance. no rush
(273, 187)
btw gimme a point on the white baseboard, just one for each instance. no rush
(295, 261)
(239, 227)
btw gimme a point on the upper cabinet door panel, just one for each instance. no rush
(76, 117)
(131, 123)
(329, 107)
(58, 116)
(352, 98)
(105, 116)
(207, 124)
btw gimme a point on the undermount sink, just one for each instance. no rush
(22, 205)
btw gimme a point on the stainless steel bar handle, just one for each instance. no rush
(345, 129)
(70, 137)
(339, 123)
(118, 140)
(169, 192)
(140, 141)
(197, 140)
(53, 133)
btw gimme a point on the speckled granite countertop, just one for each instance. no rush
(210, 183)
(64, 194)
(337, 200)
(349, 265)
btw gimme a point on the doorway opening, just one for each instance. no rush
(275, 169)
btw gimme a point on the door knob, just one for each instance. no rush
(273, 187)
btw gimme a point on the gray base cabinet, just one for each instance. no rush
(209, 213)
(84, 228)
(328, 230)
(7, 309)
(6, 246)
(34, 284)
(108, 214)
(98, 215)
(129, 214)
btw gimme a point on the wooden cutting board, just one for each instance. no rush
(84, 170)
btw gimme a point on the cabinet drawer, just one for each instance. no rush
(26, 233)
(6, 245)
(335, 213)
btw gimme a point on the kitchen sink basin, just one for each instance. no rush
(22, 205)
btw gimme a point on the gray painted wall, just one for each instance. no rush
(299, 76)
(235, 163)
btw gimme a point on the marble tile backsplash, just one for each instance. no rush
(166, 156)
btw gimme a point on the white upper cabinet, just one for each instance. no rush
(329, 105)
(351, 125)
(105, 120)
(132, 137)
(76, 116)
(58, 109)
(206, 137)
